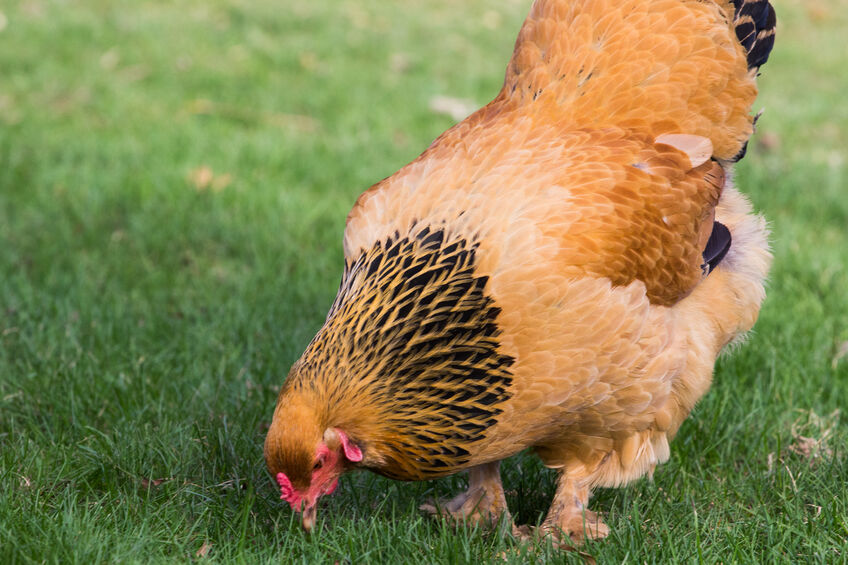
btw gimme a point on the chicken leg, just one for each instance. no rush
(568, 515)
(483, 503)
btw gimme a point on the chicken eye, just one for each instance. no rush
(318, 465)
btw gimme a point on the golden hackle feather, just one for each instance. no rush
(415, 372)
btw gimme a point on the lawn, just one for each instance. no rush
(174, 179)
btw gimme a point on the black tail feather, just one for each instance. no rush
(717, 247)
(755, 22)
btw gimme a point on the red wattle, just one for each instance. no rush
(332, 487)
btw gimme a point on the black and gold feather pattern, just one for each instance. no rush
(412, 336)
(755, 21)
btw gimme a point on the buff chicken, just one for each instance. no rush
(559, 271)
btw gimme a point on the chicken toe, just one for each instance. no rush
(483, 503)
(568, 515)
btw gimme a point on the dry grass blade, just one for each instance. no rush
(455, 108)
(147, 483)
(811, 435)
(204, 549)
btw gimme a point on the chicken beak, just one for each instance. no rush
(308, 517)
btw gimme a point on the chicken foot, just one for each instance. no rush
(569, 515)
(483, 503)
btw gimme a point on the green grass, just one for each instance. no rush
(174, 178)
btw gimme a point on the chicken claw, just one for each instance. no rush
(483, 503)
(569, 515)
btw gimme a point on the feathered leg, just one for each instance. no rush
(483, 503)
(569, 515)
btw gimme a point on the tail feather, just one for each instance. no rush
(755, 21)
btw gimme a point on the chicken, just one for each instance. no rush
(558, 272)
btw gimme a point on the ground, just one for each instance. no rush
(174, 178)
